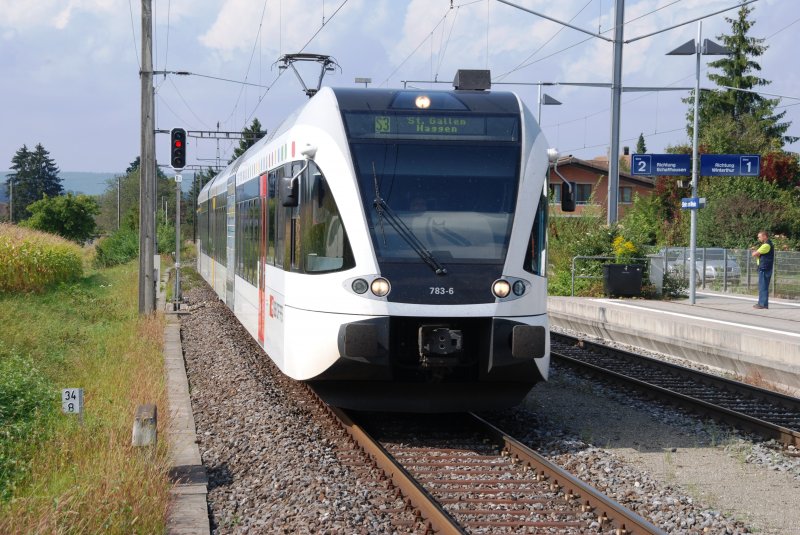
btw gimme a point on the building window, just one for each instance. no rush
(555, 193)
(625, 194)
(583, 192)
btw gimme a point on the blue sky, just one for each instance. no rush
(70, 67)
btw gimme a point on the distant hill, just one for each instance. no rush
(87, 182)
(75, 181)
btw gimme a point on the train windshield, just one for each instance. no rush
(456, 199)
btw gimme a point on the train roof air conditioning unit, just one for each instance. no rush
(475, 80)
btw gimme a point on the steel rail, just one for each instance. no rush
(438, 519)
(762, 427)
(607, 510)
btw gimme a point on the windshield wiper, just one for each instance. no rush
(402, 230)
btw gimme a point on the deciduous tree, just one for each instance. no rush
(69, 216)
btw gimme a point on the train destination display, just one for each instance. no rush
(383, 125)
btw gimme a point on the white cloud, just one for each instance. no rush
(285, 28)
(25, 14)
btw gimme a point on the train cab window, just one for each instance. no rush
(325, 244)
(293, 217)
(536, 251)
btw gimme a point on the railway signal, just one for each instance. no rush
(178, 148)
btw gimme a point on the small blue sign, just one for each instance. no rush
(693, 203)
(730, 164)
(661, 164)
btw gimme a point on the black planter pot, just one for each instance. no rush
(622, 279)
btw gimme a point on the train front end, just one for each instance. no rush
(452, 186)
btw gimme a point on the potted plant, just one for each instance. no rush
(623, 278)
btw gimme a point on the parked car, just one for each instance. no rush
(716, 263)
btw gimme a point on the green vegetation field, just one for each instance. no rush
(57, 476)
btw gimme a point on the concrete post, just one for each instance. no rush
(144, 426)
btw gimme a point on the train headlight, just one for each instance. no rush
(501, 288)
(380, 287)
(423, 102)
(360, 286)
(518, 288)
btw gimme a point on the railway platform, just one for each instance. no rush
(720, 331)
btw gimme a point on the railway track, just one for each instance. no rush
(467, 476)
(767, 413)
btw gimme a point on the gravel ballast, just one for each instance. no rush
(276, 466)
(273, 465)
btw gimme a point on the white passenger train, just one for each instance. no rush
(388, 246)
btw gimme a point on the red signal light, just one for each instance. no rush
(178, 148)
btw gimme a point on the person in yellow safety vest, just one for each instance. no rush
(765, 257)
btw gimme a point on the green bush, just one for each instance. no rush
(738, 207)
(69, 216)
(31, 260)
(25, 396)
(166, 238)
(121, 247)
(675, 286)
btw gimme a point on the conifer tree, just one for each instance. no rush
(34, 175)
(738, 70)
(641, 148)
(250, 134)
(16, 181)
(45, 172)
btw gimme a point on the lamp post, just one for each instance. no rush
(709, 48)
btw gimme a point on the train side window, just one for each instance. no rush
(325, 244)
(536, 250)
(271, 217)
(279, 230)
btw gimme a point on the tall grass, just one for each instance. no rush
(31, 260)
(58, 476)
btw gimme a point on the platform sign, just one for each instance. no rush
(72, 400)
(730, 164)
(661, 164)
(693, 203)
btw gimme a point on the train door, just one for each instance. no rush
(262, 257)
(230, 273)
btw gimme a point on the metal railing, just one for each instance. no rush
(730, 270)
(722, 270)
